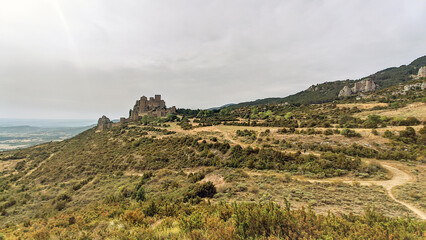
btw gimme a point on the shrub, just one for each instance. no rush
(195, 177)
(205, 190)
(60, 205)
(388, 134)
(328, 132)
(349, 133)
(133, 217)
(140, 194)
(151, 210)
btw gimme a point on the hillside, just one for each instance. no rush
(270, 171)
(328, 91)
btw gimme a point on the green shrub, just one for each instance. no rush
(205, 190)
(151, 210)
(349, 133)
(140, 194)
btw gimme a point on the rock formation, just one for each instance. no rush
(155, 106)
(366, 85)
(104, 123)
(346, 91)
(422, 72)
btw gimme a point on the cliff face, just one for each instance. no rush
(366, 85)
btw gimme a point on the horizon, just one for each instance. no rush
(82, 60)
(46, 123)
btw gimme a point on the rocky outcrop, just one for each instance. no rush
(104, 123)
(366, 85)
(422, 72)
(155, 106)
(345, 92)
(420, 86)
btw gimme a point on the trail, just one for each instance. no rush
(399, 178)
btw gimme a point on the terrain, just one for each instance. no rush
(329, 91)
(349, 169)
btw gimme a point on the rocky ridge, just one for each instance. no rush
(366, 85)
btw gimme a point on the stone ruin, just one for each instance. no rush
(366, 85)
(155, 106)
(104, 123)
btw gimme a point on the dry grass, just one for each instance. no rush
(336, 197)
(415, 192)
(417, 110)
(362, 106)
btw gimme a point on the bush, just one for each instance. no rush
(349, 133)
(195, 177)
(151, 210)
(205, 190)
(140, 194)
(388, 134)
(133, 217)
(328, 132)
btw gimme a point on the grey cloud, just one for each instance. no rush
(82, 59)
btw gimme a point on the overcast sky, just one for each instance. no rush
(85, 58)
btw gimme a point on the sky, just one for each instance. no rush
(80, 59)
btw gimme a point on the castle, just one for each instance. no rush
(155, 106)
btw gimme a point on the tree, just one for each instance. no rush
(140, 194)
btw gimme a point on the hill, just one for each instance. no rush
(267, 171)
(328, 91)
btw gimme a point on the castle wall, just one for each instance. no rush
(155, 106)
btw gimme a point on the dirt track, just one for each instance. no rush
(399, 177)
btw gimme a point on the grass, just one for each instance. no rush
(85, 186)
(417, 110)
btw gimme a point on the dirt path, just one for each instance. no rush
(399, 178)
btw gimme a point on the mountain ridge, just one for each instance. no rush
(329, 90)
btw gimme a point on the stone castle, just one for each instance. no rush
(366, 85)
(155, 106)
